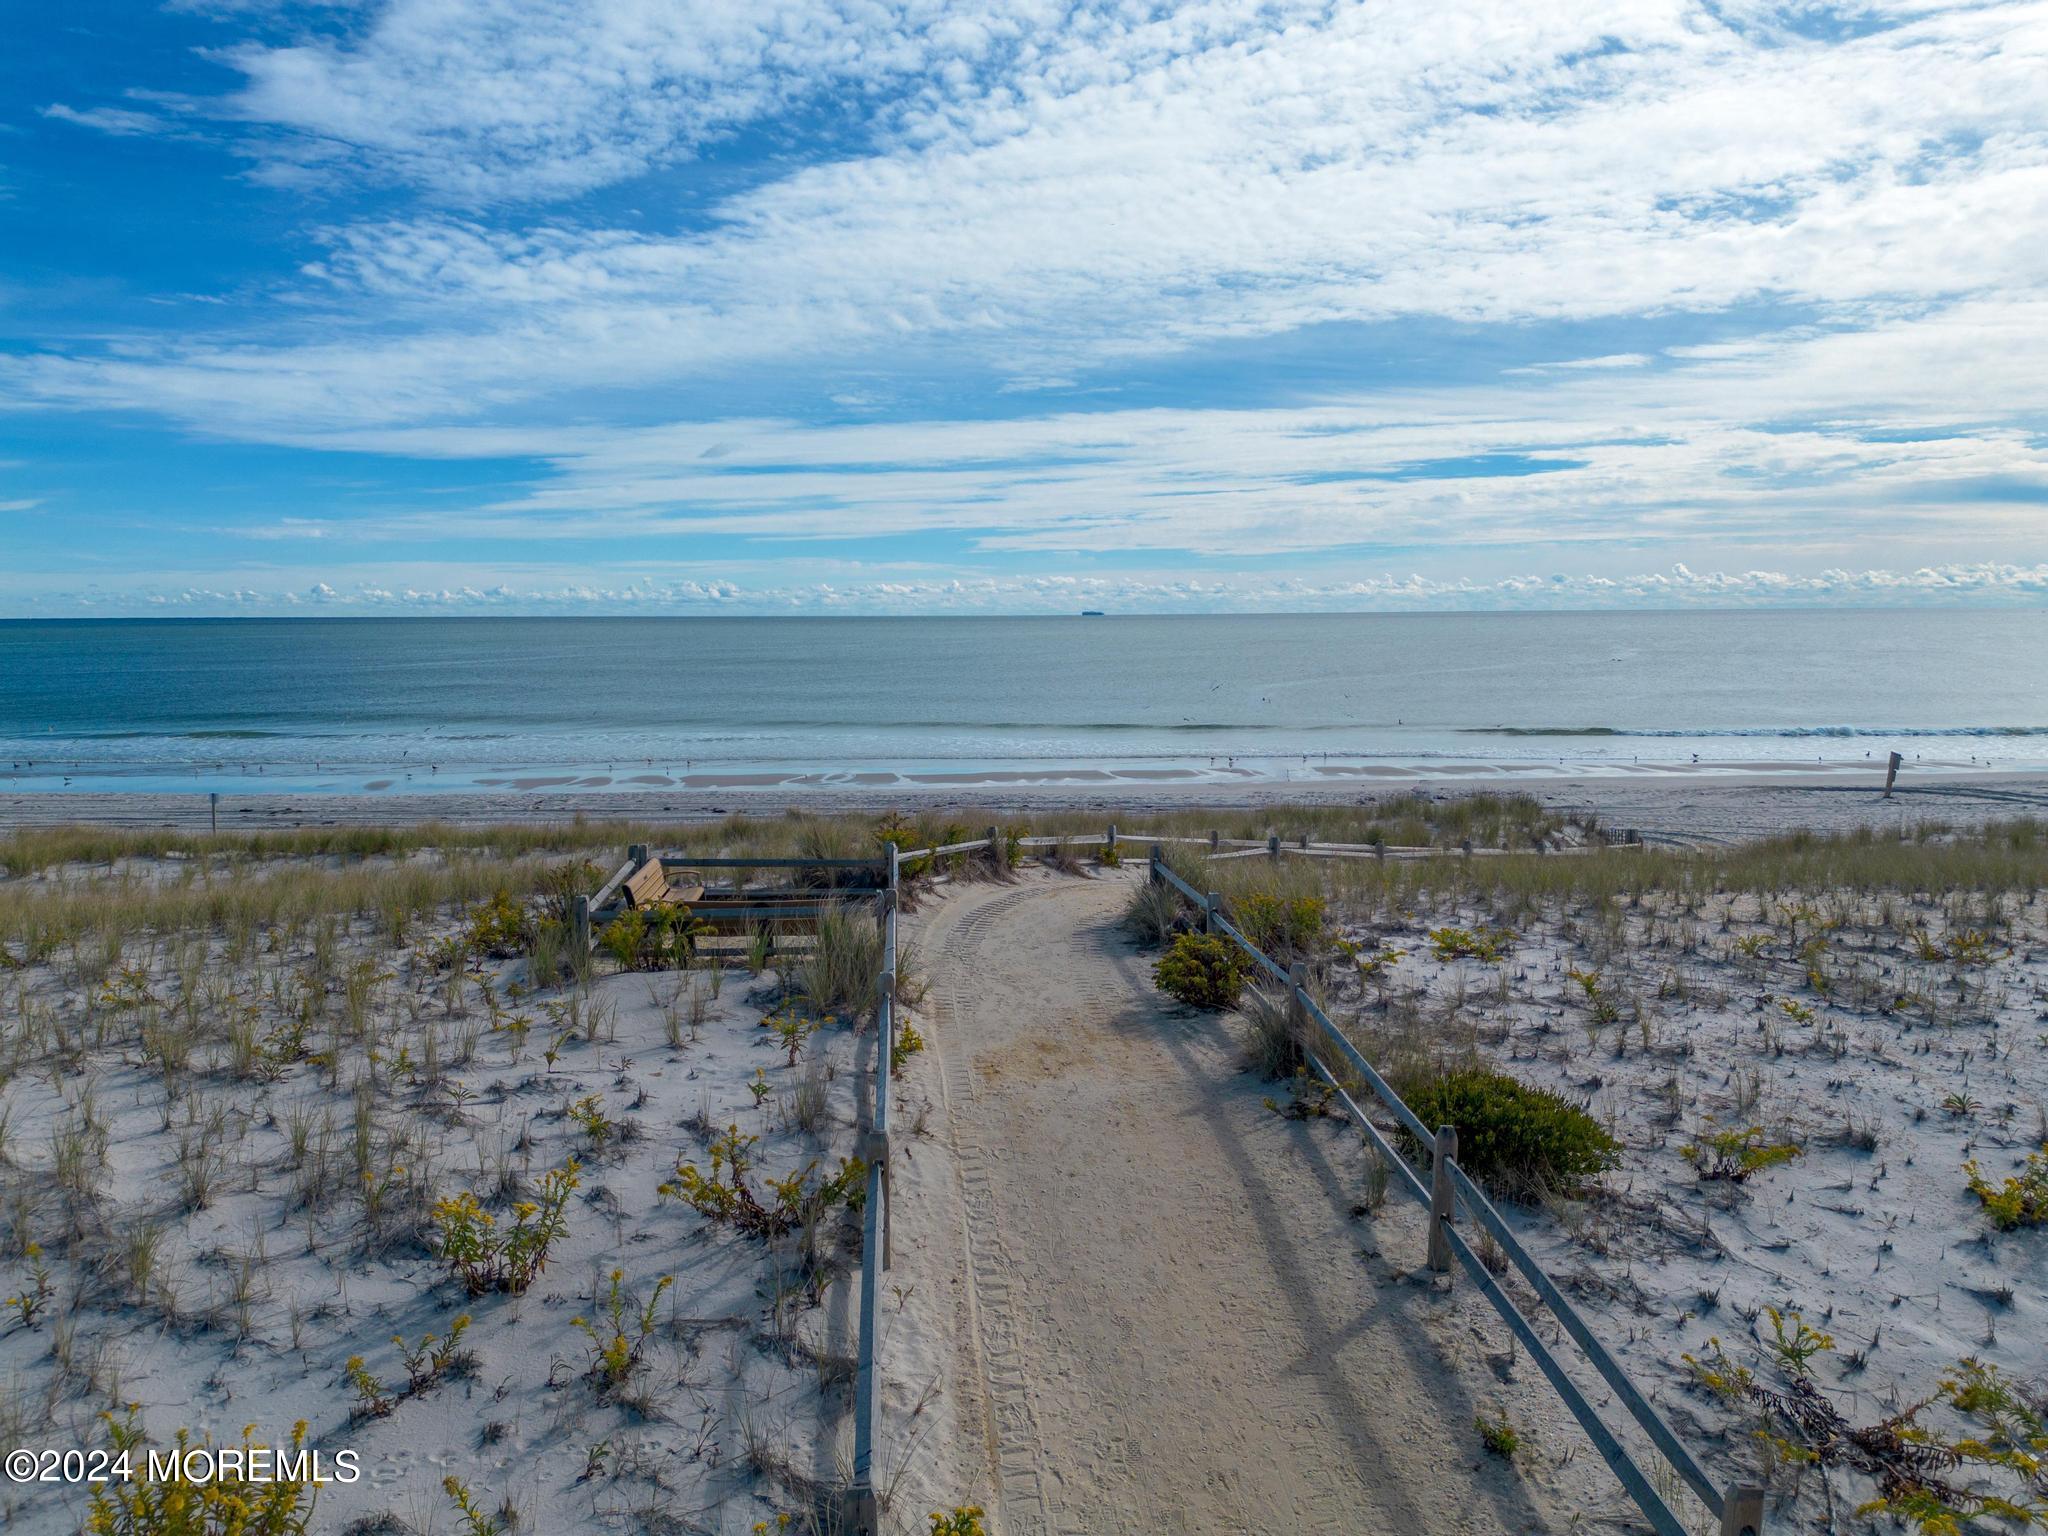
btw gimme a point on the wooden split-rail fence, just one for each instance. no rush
(1454, 1201)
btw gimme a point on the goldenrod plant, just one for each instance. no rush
(2021, 1200)
(225, 1503)
(619, 1332)
(486, 1258)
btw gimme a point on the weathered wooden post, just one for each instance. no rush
(1215, 841)
(638, 854)
(1153, 860)
(1297, 1004)
(1891, 773)
(1212, 909)
(1304, 841)
(1379, 851)
(579, 923)
(995, 847)
(1742, 1511)
(1272, 845)
(1441, 1197)
(1109, 840)
(213, 800)
(1465, 846)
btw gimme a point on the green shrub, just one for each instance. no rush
(1520, 1140)
(1201, 970)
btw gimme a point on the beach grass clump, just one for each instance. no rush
(1201, 970)
(839, 973)
(1523, 1141)
(2021, 1200)
(1152, 915)
(1273, 1043)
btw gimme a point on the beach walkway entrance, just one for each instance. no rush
(1173, 1321)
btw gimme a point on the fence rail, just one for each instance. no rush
(1739, 1507)
(877, 1220)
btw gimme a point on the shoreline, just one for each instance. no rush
(1675, 806)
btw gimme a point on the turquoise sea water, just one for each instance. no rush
(539, 703)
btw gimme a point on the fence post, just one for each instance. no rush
(1272, 845)
(1304, 840)
(1215, 841)
(1440, 1199)
(213, 804)
(638, 854)
(995, 847)
(1212, 908)
(1465, 846)
(1379, 851)
(1297, 1008)
(579, 921)
(1742, 1511)
(1152, 863)
(1109, 839)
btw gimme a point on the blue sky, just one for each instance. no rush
(474, 305)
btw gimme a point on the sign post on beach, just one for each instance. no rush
(1891, 773)
(213, 805)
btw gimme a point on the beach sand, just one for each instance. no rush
(1668, 804)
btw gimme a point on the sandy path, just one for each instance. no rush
(1174, 1327)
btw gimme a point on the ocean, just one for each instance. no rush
(533, 704)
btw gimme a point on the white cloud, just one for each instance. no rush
(1096, 187)
(1989, 583)
(1030, 196)
(119, 121)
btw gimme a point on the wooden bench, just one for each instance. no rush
(649, 886)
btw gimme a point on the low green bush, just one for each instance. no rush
(1201, 970)
(1519, 1140)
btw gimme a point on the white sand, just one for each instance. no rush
(734, 1373)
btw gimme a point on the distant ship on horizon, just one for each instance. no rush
(1093, 613)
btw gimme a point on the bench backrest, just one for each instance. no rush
(648, 886)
